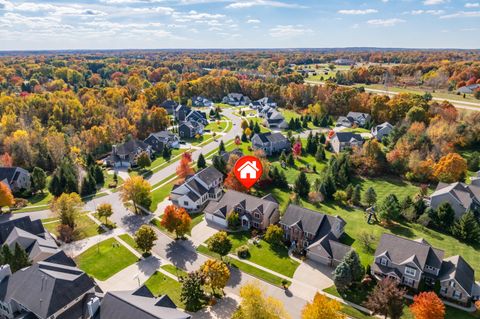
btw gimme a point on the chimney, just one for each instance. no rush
(5, 271)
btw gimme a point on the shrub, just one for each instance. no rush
(243, 252)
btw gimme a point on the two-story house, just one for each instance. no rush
(159, 140)
(236, 99)
(169, 106)
(462, 197)
(354, 118)
(126, 154)
(16, 178)
(198, 189)
(382, 130)
(263, 102)
(200, 101)
(342, 141)
(315, 234)
(190, 129)
(254, 212)
(270, 143)
(410, 261)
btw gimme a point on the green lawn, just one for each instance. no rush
(160, 284)
(108, 223)
(40, 199)
(251, 270)
(130, 241)
(105, 259)
(174, 270)
(272, 257)
(86, 227)
(160, 194)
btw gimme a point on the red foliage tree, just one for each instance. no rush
(231, 182)
(427, 305)
(184, 168)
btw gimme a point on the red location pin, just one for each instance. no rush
(248, 170)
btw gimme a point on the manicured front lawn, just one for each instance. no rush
(130, 241)
(269, 256)
(105, 259)
(40, 199)
(86, 227)
(174, 270)
(108, 223)
(160, 284)
(246, 268)
(160, 194)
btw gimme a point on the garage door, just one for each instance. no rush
(318, 258)
(216, 219)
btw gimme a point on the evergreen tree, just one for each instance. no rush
(20, 259)
(342, 277)
(244, 137)
(89, 160)
(192, 292)
(256, 128)
(302, 186)
(370, 197)
(98, 175)
(166, 153)
(89, 185)
(219, 164)
(320, 154)
(290, 160)
(283, 157)
(322, 139)
(467, 228)
(311, 146)
(221, 147)
(356, 196)
(349, 192)
(444, 216)
(201, 163)
(390, 208)
(356, 267)
(291, 124)
(66, 180)
(39, 179)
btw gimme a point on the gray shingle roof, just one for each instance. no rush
(7, 173)
(401, 250)
(45, 288)
(271, 137)
(457, 268)
(138, 305)
(464, 193)
(25, 223)
(310, 221)
(209, 174)
(130, 147)
(348, 136)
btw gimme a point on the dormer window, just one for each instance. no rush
(383, 261)
(452, 284)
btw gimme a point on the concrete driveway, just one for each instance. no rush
(203, 231)
(309, 278)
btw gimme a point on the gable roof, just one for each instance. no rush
(345, 137)
(34, 227)
(45, 288)
(271, 137)
(463, 193)
(232, 198)
(209, 174)
(358, 115)
(457, 268)
(401, 250)
(329, 247)
(130, 147)
(138, 304)
(8, 173)
(309, 221)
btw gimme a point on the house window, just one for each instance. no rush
(408, 281)
(410, 271)
(255, 225)
(185, 203)
(384, 261)
(429, 267)
(452, 284)
(457, 294)
(443, 290)
(257, 215)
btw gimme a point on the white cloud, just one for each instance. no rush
(357, 12)
(6, 5)
(355, 26)
(58, 10)
(433, 2)
(432, 12)
(155, 10)
(385, 22)
(472, 5)
(253, 21)
(130, 1)
(286, 31)
(462, 14)
(265, 3)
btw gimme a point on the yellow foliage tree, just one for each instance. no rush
(6, 197)
(322, 308)
(137, 190)
(450, 168)
(216, 274)
(255, 304)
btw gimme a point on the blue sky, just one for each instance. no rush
(123, 24)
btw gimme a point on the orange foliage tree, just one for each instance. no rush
(450, 168)
(427, 305)
(184, 168)
(6, 197)
(231, 182)
(176, 220)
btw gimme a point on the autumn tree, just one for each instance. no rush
(450, 168)
(6, 197)
(137, 190)
(176, 219)
(427, 305)
(184, 168)
(220, 243)
(274, 235)
(145, 238)
(322, 307)
(216, 274)
(386, 299)
(255, 304)
(105, 210)
(232, 182)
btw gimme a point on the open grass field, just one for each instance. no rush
(105, 259)
(86, 227)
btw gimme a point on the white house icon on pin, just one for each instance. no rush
(248, 170)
